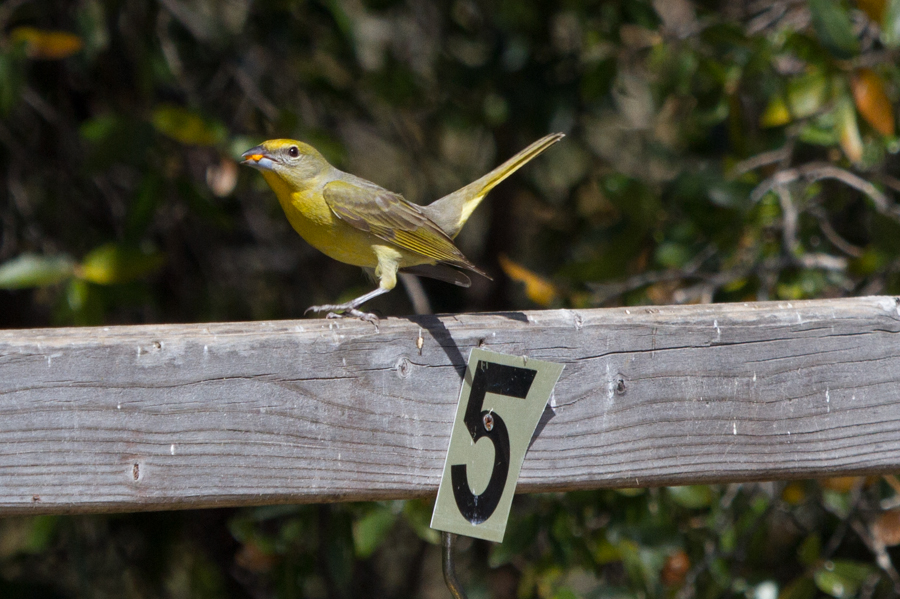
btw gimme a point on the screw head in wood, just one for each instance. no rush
(488, 422)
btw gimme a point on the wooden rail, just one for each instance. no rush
(177, 416)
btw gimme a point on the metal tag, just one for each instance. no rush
(500, 403)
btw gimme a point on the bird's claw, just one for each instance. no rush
(343, 310)
(320, 309)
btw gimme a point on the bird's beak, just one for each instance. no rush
(258, 158)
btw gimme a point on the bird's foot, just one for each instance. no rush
(343, 310)
(367, 316)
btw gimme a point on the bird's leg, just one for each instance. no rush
(386, 271)
(350, 308)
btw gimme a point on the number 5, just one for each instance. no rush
(499, 379)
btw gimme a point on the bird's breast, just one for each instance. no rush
(311, 217)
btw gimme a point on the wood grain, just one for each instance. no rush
(178, 416)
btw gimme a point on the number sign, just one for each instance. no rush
(501, 400)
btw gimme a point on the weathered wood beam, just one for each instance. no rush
(178, 416)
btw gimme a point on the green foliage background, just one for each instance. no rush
(727, 151)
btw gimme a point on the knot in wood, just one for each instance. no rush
(404, 368)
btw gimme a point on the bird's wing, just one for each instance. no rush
(389, 217)
(441, 272)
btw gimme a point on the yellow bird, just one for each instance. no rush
(357, 222)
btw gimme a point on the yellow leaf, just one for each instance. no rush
(851, 142)
(111, 264)
(187, 127)
(776, 113)
(794, 493)
(872, 101)
(46, 45)
(537, 288)
(803, 97)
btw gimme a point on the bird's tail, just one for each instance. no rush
(451, 212)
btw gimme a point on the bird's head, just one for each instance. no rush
(293, 161)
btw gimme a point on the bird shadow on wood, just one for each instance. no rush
(548, 415)
(519, 316)
(439, 332)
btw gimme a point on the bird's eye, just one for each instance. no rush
(293, 151)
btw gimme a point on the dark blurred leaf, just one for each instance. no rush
(606, 552)
(871, 261)
(821, 131)
(99, 127)
(845, 115)
(672, 255)
(642, 13)
(695, 496)
(521, 534)
(77, 294)
(803, 587)
(841, 578)
(890, 24)
(116, 138)
(810, 550)
(26, 535)
(598, 80)
(418, 515)
(187, 126)
(804, 96)
(834, 28)
(730, 194)
(644, 563)
(338, 547)
(12, 77)
(111, 264)
(31, 270)
(370, 531)
(800, 285)
(202, 204)
(839, 503)
(144, 206)
(43, 529)
(83, 305)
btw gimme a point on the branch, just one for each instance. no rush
(832, 235)
(816, 171)
(760, 160)
(789, 217)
